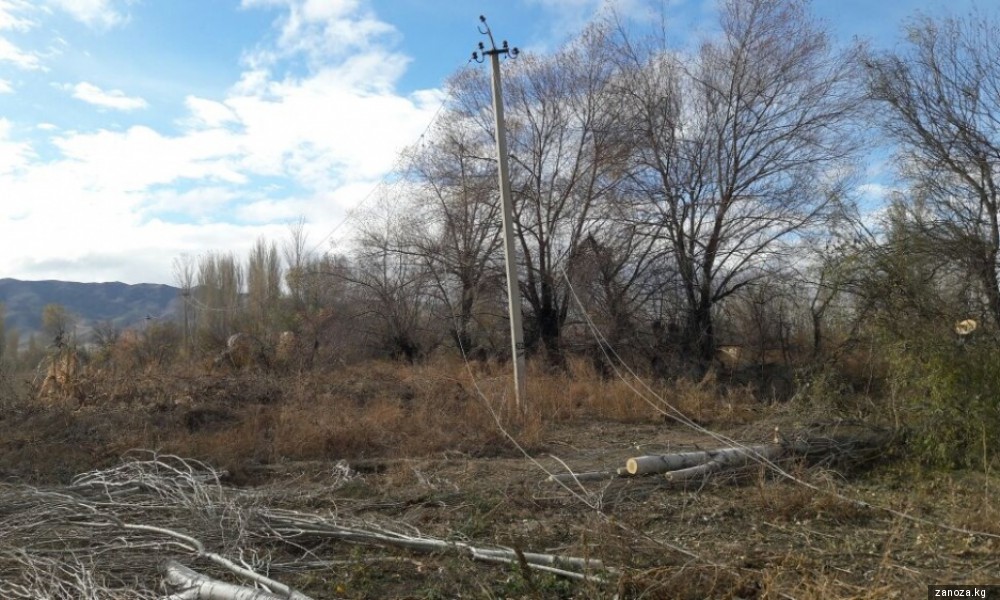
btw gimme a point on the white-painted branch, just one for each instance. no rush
(196, 586)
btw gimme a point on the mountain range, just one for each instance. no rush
(122, 304)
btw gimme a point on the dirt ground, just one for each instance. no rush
(880, 528)
(755, 536)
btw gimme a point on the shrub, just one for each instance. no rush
(947, 394)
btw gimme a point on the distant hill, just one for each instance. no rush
(90, 303)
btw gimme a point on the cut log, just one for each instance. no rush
(663, 463)
(727, 458)
(660, 463)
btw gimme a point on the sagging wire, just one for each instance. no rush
(607, 349)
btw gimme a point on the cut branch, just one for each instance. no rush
(290, 525)
(196, 586)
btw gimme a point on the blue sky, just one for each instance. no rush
(134, 131)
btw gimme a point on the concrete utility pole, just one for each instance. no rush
(513, 289)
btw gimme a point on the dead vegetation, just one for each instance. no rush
(416, 461)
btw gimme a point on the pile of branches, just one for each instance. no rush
(126, 532)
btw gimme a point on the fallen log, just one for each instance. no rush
(195, 586)
(292, 525)
(660, 463)
(679, 466)
(684, 461)
(728, 458)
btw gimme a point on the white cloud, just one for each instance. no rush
(5, 87)
(18, 57)
(341, 122)
(320, 30)
(14, 155)
(208, 113)
(12, 15)
(198, 205)
(322, 132)
(140, 158)
(115, 99)
(98, 14)
(283, 142)
(269, 211)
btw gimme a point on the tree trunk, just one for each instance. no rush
(549, 331)
(991, 285)
(700, 336)
(817, 334)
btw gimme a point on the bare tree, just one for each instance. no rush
(456, 224)
(220, 283)
(263, 282)
(12, 345)
(567, 163)
(616, 277)
(297, 257)
(737, 148)
(941, 92)
(59, 325)
(184, 277)
(390, 281)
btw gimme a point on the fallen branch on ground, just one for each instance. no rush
(291, 525)
(142, 512)
(196, 586)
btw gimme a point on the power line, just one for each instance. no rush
(614, 360)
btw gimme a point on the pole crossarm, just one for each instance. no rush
(480, 55)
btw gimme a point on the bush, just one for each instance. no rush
(947, 394)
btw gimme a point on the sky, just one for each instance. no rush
(133, 132)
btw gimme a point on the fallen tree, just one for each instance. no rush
(142, 516)
(688, 465)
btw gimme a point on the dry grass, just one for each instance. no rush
(377, 409)
(787, 502)
(435, 440)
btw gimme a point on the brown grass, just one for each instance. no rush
(377, 409)
(435, 438)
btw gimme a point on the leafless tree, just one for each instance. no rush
(12, 345)
(941, 95)
(737, 148)
(567, 164)
(390, 281)
(902, 283)
(263, 277)
(218, 296)
(184, 268)
(3, 331)
(297, 256)
(456, 224)
(616, 277)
